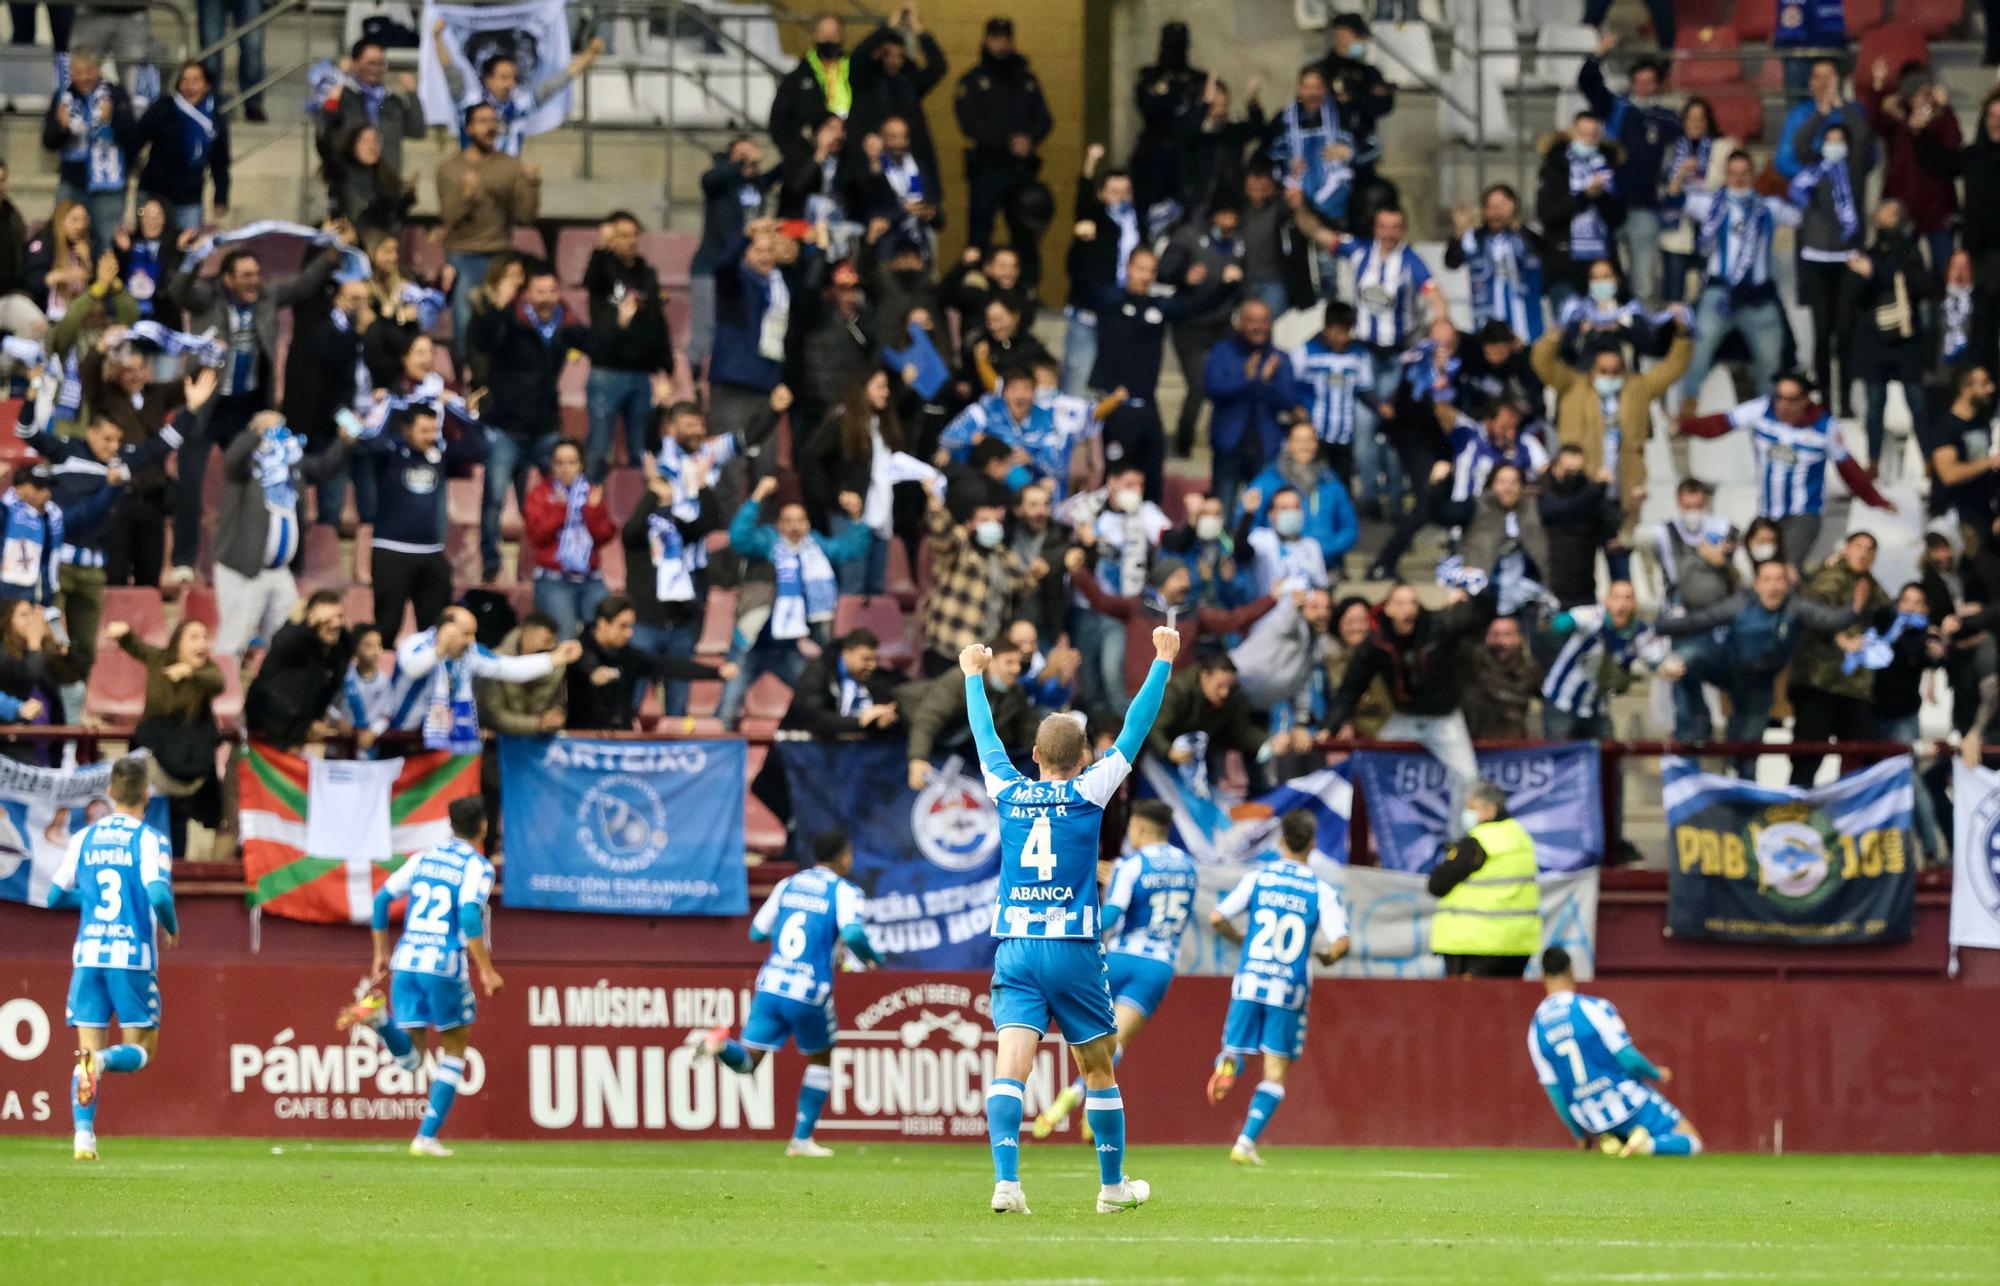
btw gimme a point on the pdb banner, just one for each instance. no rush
(1551, 790)
(1751, 863)
(627, 827)
(928, 861)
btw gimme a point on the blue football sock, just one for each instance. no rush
(1673, 1145)
(735, 1057)
(812, 1098)
(444, 1092)
(121, 1058)
(1003, 1128)
(1105, 1111)
(1263, 1106)
(400, 1046)
(85, 1117)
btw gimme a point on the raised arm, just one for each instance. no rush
(992, 755)
(1145, 707)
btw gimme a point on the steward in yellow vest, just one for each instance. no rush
(1489, 918)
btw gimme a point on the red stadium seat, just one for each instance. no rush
(324, 566)
(200, 605)
(1739, 112)
(611, 563)
(881, 615)
(117, 691)
(622, 489)
(576, 304)
(461, 546)
(529, 242)
(671, 253)
(768, 698)
(1863, 16)
(1711, 58)
(1756, 19)
(570, 385)
(359, 600)
(899, 582)
(680, 314)
(1895, 46)
(138, 606)
(1931, 18)
(704, 699)
(464, 496)
(573, 249)
(1176, 492)
(718, 627)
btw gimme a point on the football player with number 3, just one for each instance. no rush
(1050, 961)
(807, 919)
(1288, 909)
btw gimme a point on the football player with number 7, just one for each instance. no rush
(1288, 909)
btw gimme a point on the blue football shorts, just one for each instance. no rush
(1036, 979)
(95, 995)
(421, 1000)
(1253, 1027)
(1656, 1114)
(773, 1018)
(1137, 982)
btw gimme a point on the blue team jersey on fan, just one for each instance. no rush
(109, 863)
(1574, 1041)
(1048, 848)
(803, 918)
(1154, 891)
(1291, 913)
(438, 881)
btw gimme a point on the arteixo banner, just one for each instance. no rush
(567, 1052)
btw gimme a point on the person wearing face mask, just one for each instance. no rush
(1489, 914)
(1362, 96)
(1120, 530)
(935, 711)
(1281, 552)
(1326, 515)
(1579, 200)
(1889, 292)
(1693, 550)
(788, 593)
(1164, 600)
(819, 87)
(1828, 194)
(1695, 162)
(893, 69)
(974, 577)
(1739, 295)
(1958, 447)
(1580, 517)
(1034, 533)
(1503, 257)
(1204, 545)
(1606, 411)
(1805, 126)
(1644, 129)
(1109, 228)
(666, 546)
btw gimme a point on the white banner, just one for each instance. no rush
(1389, 918)
(535, 34)
(1975, 872)
(40, 808)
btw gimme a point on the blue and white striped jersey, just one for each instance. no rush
(1387, 285)
(1292, 912)
(1153, 890)
(110, 863)
(1337, 380)
(438, 881)
(1574, 1041)
(803, 918)
(1048, 848)
(1474, 457)
(1791, 461)
(1571, 685)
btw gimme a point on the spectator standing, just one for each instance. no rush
(409, 460)
(532, 708)
(185, 138)
(61, 265)
(1169, 93)
(666, 546)
(18, 313)
(1694, 550)
(360, 186)
(118, 387)
(821, 86)
(1215, 245)
(1906, 646)
(326, 372)
(844, 692)
(91, 129)
(1504, 539)
(1415, 651)
(259, 530)
(34, 662)
(1335, 378)
(1327, 515)
(483, 195)
(1581, 206)
(629, 343)
(855, 463)
(1363, 96)
(1738, 295)
(1805, 126)
(733, 191)
(605, 682)
(1035, 534)
(216, 18)
(530, 340)
(1978, 163)
(437, 672)
(302, 677)
(1212, 144)
(1277, 255)
(1502, 257)
(148, 257)
(1962, 471)
(974, 578)
(1913, 120)
(1696, 163)
(1828, 194)
(1203, 544)
(1473, 450)
(1889, 293)
(1607, 413)
(1109, 228)
(1252, 396)
(1579, 517)
(565, 527)
(499, 85)
(788, 593)
(177, 723)
(746, 375)
(363, 98)
(1600, 646)
(1133, 320)
(1501, 682)
(1832, 700)
(1001, 111)
(894, 68)
(1644, 131)
(934, 710)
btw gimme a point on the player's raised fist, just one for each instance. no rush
(1166, 642)
(974, 658)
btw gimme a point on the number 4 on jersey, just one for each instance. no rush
(1039, 854)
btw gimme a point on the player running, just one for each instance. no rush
(1146, 911)
(1587, 1062)
(807, 919)
(1049, 959)
(116, 870)
(1288, 908)
(443, 923)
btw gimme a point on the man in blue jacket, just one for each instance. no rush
(1251, 399)
(1645, 129)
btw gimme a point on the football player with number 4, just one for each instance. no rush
(807, 919)
(1288, 909)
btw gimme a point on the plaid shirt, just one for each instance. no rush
(955, 611)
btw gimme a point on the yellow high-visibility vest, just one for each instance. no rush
(1497, 911)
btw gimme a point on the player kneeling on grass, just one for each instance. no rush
(116, 869)
(1049, 961)
(807, 919)
(1592, 1071)
(443, 923)
(1146, 911)
(1288, 909)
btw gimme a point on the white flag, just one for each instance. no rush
(1975, 872)
(534, 34)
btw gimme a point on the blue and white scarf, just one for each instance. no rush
(430, 393)
(854, 697)
(430, 304)
(272, 465)
(197, 130)
(1684, 147)
(574, 546)
(28, 556)
(1743, 244)
(69, 399)
(1840, 185)
(1589, 236)
(545, 327)
(1878, 651)
(1325, 180)
(451, 711)
(807, 590)
(1127, 219)
(1956, 313)
(22, 350)
(205, 349)
(354, 265)
(673, 578)
(94, 142)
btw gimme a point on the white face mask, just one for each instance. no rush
(1208, 526)
(1288, 523)
(1126, 501)
(1607, 385)
(989, 534)
(1835, 152)
(1604, 290)
(1467, 818)
(1763, 553)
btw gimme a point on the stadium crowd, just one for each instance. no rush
(852, 426)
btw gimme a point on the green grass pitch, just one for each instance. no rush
(206, 1211)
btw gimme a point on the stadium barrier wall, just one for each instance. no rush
(249, 1050)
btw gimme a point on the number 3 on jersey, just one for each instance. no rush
(1039, 853)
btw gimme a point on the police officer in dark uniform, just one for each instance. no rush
(817, 88)
(1170, 95)
(1361, 98)
(1001, 109)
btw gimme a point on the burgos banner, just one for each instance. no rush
(628, 827)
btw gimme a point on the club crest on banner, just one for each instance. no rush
(955, 825)
(1982, 859)
(1792, 860)
(622, 823)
